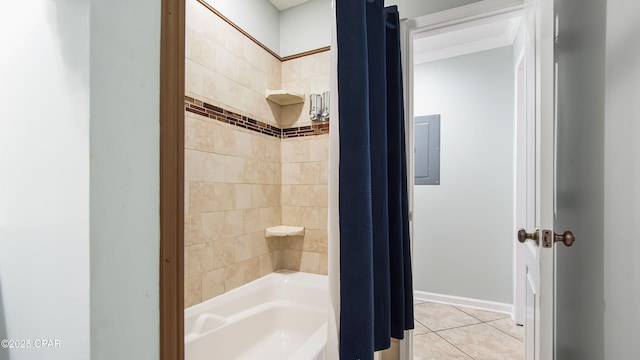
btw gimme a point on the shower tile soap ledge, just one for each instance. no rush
(284, 97)
(284, 230)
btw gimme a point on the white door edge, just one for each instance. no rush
(545, 109)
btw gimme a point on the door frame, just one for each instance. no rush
(172, 69)
(410, 28)
(171, 267)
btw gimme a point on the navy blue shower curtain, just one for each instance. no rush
(376, 295)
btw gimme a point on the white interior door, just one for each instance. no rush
(525, 137)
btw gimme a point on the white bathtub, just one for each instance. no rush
(280, 316)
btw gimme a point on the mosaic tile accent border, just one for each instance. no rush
(309, 130)
(217, 113)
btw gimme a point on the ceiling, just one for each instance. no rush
(285, 4)
(470, 38)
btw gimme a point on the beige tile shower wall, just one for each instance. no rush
(232, 193)
(305, 169)
(304, 202)
(308, 74)
(232, 175)
(235, 181)
(227, 69)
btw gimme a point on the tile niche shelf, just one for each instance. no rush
(284, 97)
(284, 230)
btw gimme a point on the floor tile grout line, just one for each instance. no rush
(461, 309)
(457, 327)
(475, 317)
(456, 308)
(423, 324)
(479, 321)
(450, 343)
(504, 332)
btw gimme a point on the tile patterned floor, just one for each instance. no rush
(449, 332)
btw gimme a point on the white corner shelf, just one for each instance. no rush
(284, 97)
(284, 230)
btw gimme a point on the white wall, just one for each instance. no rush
(125, 73)
(622, 179)
(259, 18)
(46, 163)
(44, 177)
(463, 228)
(305, 27)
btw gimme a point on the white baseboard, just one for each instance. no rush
(493, 306)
